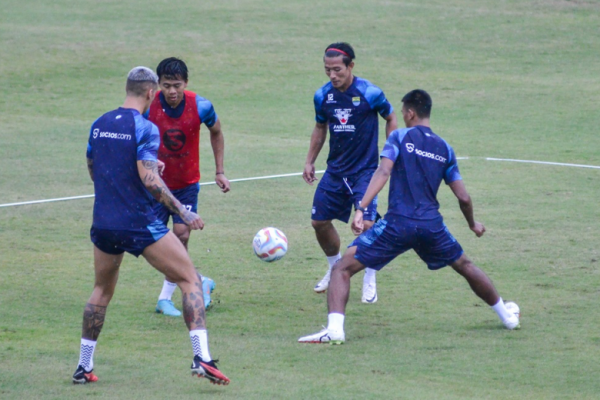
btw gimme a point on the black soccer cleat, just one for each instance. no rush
(209, 371)
(81, 376)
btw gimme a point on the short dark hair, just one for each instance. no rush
(341, 49)
(172, 68)
(139, 80)
(420, 101)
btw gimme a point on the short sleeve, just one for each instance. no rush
(320, 115)
(89, 154)
(451, 173)
(391, 149)
(148, 140)
(206, 111)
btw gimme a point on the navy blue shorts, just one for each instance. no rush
(188, 196)
(335, 196)
(393, 235)
(133, 241)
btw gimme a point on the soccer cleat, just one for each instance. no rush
(325, 336)
(369, 293)
(166, 307)
(512, 323)
(82, 377)
(209, 371)
(208, 285)
(323, 285)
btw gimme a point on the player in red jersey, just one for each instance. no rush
(179, 113)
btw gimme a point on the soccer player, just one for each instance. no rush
(348, 106)
(416, 161)
(178, 113)
(122, 162)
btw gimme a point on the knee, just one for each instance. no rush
(183, 236)
(320, 225)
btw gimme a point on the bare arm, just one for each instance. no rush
(217, 141)
(90, 166)
(378, 181)
(466, 206)
(391, 124)
(317, 140)
(148, 171)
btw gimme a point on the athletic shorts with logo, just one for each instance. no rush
(393, 235)
(133, 241)
(336, 195)
(188, 196)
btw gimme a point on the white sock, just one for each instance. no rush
(167, 290)
(501, 310)
(333, 259)
(369, 276)
(335, 322)
(86, 354)
(199, 338)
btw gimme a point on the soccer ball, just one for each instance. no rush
(270, 244)
(513, 308)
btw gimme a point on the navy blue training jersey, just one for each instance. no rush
(421, 160)
(353, 124)
(118, 139)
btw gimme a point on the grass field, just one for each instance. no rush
(509, 79)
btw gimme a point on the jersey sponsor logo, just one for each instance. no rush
(411, 147)
(110, 135)
(343, 115)
(174, 139)
(118, 117)
(356, 101)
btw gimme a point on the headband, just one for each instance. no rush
(339, 51)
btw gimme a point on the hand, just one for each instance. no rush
(309, 174)
(160, 166)
(192, 220)
(357, 224)
(222, 182)
(478, 228)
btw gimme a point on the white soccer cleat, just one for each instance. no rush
(369, 293)
(514, 321)
(323, 285)
(325, 336)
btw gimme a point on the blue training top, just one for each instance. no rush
(118, 139)
(353, 124)
(206, 110)
(421, 160)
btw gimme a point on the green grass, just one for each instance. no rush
(512, 79)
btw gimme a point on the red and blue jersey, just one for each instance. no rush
(179, 129)
(119, 139)
(353, 125)
(422, 160)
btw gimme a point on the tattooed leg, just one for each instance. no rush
(193, 305)
(93, 320)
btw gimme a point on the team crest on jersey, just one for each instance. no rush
(343, 115)
(356, 101)
(174, 139)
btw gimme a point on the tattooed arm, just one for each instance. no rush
(90, 165)
(149, 175)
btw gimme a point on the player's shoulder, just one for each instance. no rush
(365, 86)
(400, 134)
(322, 92)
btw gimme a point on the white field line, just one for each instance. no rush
(544, 162)
(87, 196)
(255, 178)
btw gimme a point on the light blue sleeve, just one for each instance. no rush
(206, 111)
(148, 139)
(391, 149)
(375, 97)
(320, 115)
(451, 173)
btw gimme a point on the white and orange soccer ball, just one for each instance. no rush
(270, 244)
